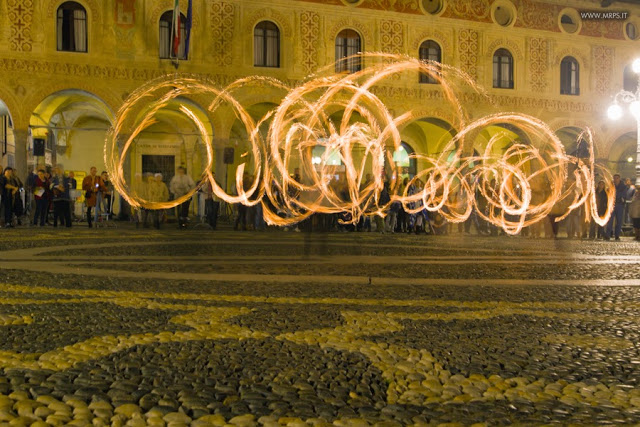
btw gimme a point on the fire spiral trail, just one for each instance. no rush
(340, 117)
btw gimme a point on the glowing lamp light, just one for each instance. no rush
(614, 112)
(635, 66)
(635, 109)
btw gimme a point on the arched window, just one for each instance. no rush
(266, 45)
(429, 51)
(331, 159)
(569, 76)
(348, 44)
(165, 36)
(404, 159)
(629, 79)
(503, 69)
(72, 27)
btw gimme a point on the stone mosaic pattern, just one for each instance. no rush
(99, 345)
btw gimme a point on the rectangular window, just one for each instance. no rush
(431, 54)
(165, 39)
(502, 72)
(273, 47)
(80, 30)
(166, 165)
(353, 47)
(258, 48)
(4, 133)
(569, 78)
(72, 30)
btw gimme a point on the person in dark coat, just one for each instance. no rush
(8, 192)
(601, 207)
(40, 194)
(618, 209)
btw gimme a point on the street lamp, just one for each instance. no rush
(615, 112)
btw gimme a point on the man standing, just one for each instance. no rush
(40, 185)
(72, 185)
(180, 185)
(61, 207)
(29, 189)
(212, 204)
(157, 193)
(631, 191)
(18, 203)
(618, 209)
(8, 192)
(91, 185)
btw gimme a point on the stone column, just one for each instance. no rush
(125, 208)
(220, 168)
(21, 141)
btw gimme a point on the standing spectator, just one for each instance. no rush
(157, 193)
(40, 194)
(410, 218)
(634, 213)
(631, 191)
(251, 210)
(72, 186)
(138, 189)
(403, 217)
(146, 194)
(211, 204)
(383, 201)
(439, 225)
(48, 195)
(18, 205)
(180, 185)
(107, 196)
(8, 192)
(103, 198)
(241, 220)
(29, 188)
(574, 222)
(60, 191)
(365, 221)
(618, 208)
(91, 185)
(601, 207)
(392, 217)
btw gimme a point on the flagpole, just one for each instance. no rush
(175, 35)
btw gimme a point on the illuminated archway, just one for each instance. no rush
(73, 124)
(7, 137)
(622, 157)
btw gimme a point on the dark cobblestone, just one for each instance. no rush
(291, 357)
(57, 325)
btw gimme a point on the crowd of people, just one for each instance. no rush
(50, 195)
(151, 187)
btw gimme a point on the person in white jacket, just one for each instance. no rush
(181, 184)
(634, 213)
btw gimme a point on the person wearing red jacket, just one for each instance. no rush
(91, 184)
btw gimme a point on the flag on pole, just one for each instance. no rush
(175, 30)
(187, 28)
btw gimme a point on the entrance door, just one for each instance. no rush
(166, 165)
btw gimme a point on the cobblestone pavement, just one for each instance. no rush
(115, 327)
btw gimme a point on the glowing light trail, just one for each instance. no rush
(532, 178)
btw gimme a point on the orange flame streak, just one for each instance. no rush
(513, 190)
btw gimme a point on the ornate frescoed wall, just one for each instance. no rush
(39, 84)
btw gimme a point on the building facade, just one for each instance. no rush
(66, 68)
